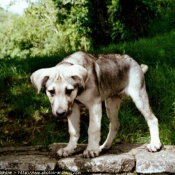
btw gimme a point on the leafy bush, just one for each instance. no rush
(130, 20)
(48, 27)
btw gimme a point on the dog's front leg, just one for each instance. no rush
(74, 129)
(95, 112)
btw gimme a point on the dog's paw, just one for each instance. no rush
(91, 153)
(153, 147)
(63, 152)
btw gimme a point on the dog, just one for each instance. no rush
(91, 79)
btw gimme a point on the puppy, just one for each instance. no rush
(91, 79)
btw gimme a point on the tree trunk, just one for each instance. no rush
(100, 21)
(131, 17)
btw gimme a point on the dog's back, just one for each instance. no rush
(109, 71)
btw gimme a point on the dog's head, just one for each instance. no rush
(63, 83)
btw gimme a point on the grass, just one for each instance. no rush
(26, 118)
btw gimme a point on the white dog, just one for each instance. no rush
(91, 79)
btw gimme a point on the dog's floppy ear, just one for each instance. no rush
(78, 81)
(40, 77)
(77, 76)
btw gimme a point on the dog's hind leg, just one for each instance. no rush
(112, 106)
(74, 129)
(140, 98)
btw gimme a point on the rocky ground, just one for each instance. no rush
(126, 159)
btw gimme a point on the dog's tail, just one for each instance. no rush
(144, 68)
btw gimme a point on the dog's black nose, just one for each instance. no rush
(60, 113)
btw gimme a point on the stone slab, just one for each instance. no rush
(104, 164)
(159, 162)
(27, 163)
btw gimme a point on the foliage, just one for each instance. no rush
(48, 27)
(73, 16)
(5, 28)
(42, 34)
(167, 21)
(36, 33)
(130, 19)
(112, 21)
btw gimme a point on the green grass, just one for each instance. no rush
(26, 118)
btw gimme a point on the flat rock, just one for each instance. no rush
(27, 163)
(159, 162)
(104, 164)
(26, 158)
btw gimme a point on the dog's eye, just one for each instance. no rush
(69, 91)
(52, 92)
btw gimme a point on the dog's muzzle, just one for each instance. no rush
(61, 113)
